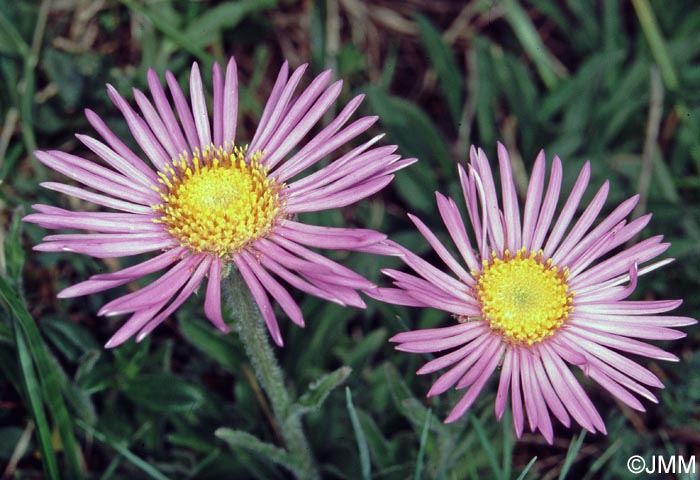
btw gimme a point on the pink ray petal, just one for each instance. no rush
(212, 303)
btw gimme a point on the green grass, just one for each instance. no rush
(585, 80)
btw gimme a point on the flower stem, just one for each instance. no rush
(254, 335)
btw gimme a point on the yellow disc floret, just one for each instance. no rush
(217, 202)
(523, 298)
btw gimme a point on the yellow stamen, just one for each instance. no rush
(523, 298)
(217, 202)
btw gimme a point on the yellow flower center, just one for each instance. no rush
(216, 202)
(523, 298)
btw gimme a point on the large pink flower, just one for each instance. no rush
(206, 202)
(534, 296)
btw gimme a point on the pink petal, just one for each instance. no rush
(212, 303)
(199, 108)
(511, 209)
(549, 205)
(230, 112)
(184, 294)
(471, 394)
(261, 300)
(278, 292)
(166, 112)
(533, 200)
(569, 210)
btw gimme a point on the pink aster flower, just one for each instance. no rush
(535, 296)
(205, 203)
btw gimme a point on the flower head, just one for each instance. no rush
(206, 202)
(535, 295)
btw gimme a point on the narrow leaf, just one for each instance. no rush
(164, 392)
(33, 394)
(571, 454)
(205, 28)
(421, 449)
(443, 62)
(48, 374)
(137, 461)
(527, 468)
(238, 439)
(549, 68)
(359, 436)
(489, 449)
(318, 391)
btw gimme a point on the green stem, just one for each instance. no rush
(254, 335)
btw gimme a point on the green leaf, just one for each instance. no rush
(206, 27)
(221, 348)
(363, 350)
(14, 253)
(93, 376)
(483, 91)
(380, 447)
(171, 31)
(165, 393)
(27, 335)
(410, 407)
(71, 339)
(603, 459)
(32, 390)
(317, 33)
(359, 436)
(9, 438)
(443, 62)
(237, 439)
(507, 423)
(404, 400)
(421, 449)
(64, 74)
(138, 462)
(11, 42)
(659, 50)
(574, 448)
(416, 185)
(318, 391)
(409, 126)
(488, 446)
(527, 468)
(549, 68)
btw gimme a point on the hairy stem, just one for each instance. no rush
(254, 335)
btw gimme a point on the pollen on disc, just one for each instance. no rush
(523, 298)
(217, 202)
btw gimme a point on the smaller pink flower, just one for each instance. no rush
(208, 204)
(534, 297)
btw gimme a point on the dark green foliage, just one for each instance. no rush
(574, 78)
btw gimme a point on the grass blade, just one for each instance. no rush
(360, 436)
(33, 393)
(656, 43)
(443, 62)
(28, 333)
(507, 444)
(421, 449)
(571, 454)
(266, 451)
(548, 66)
(173, 33)
(141, 464)
(527, 469)
(488, 447)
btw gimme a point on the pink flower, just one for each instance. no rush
(206, 203)
(534, 296)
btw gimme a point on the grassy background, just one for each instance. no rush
(615, 82)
